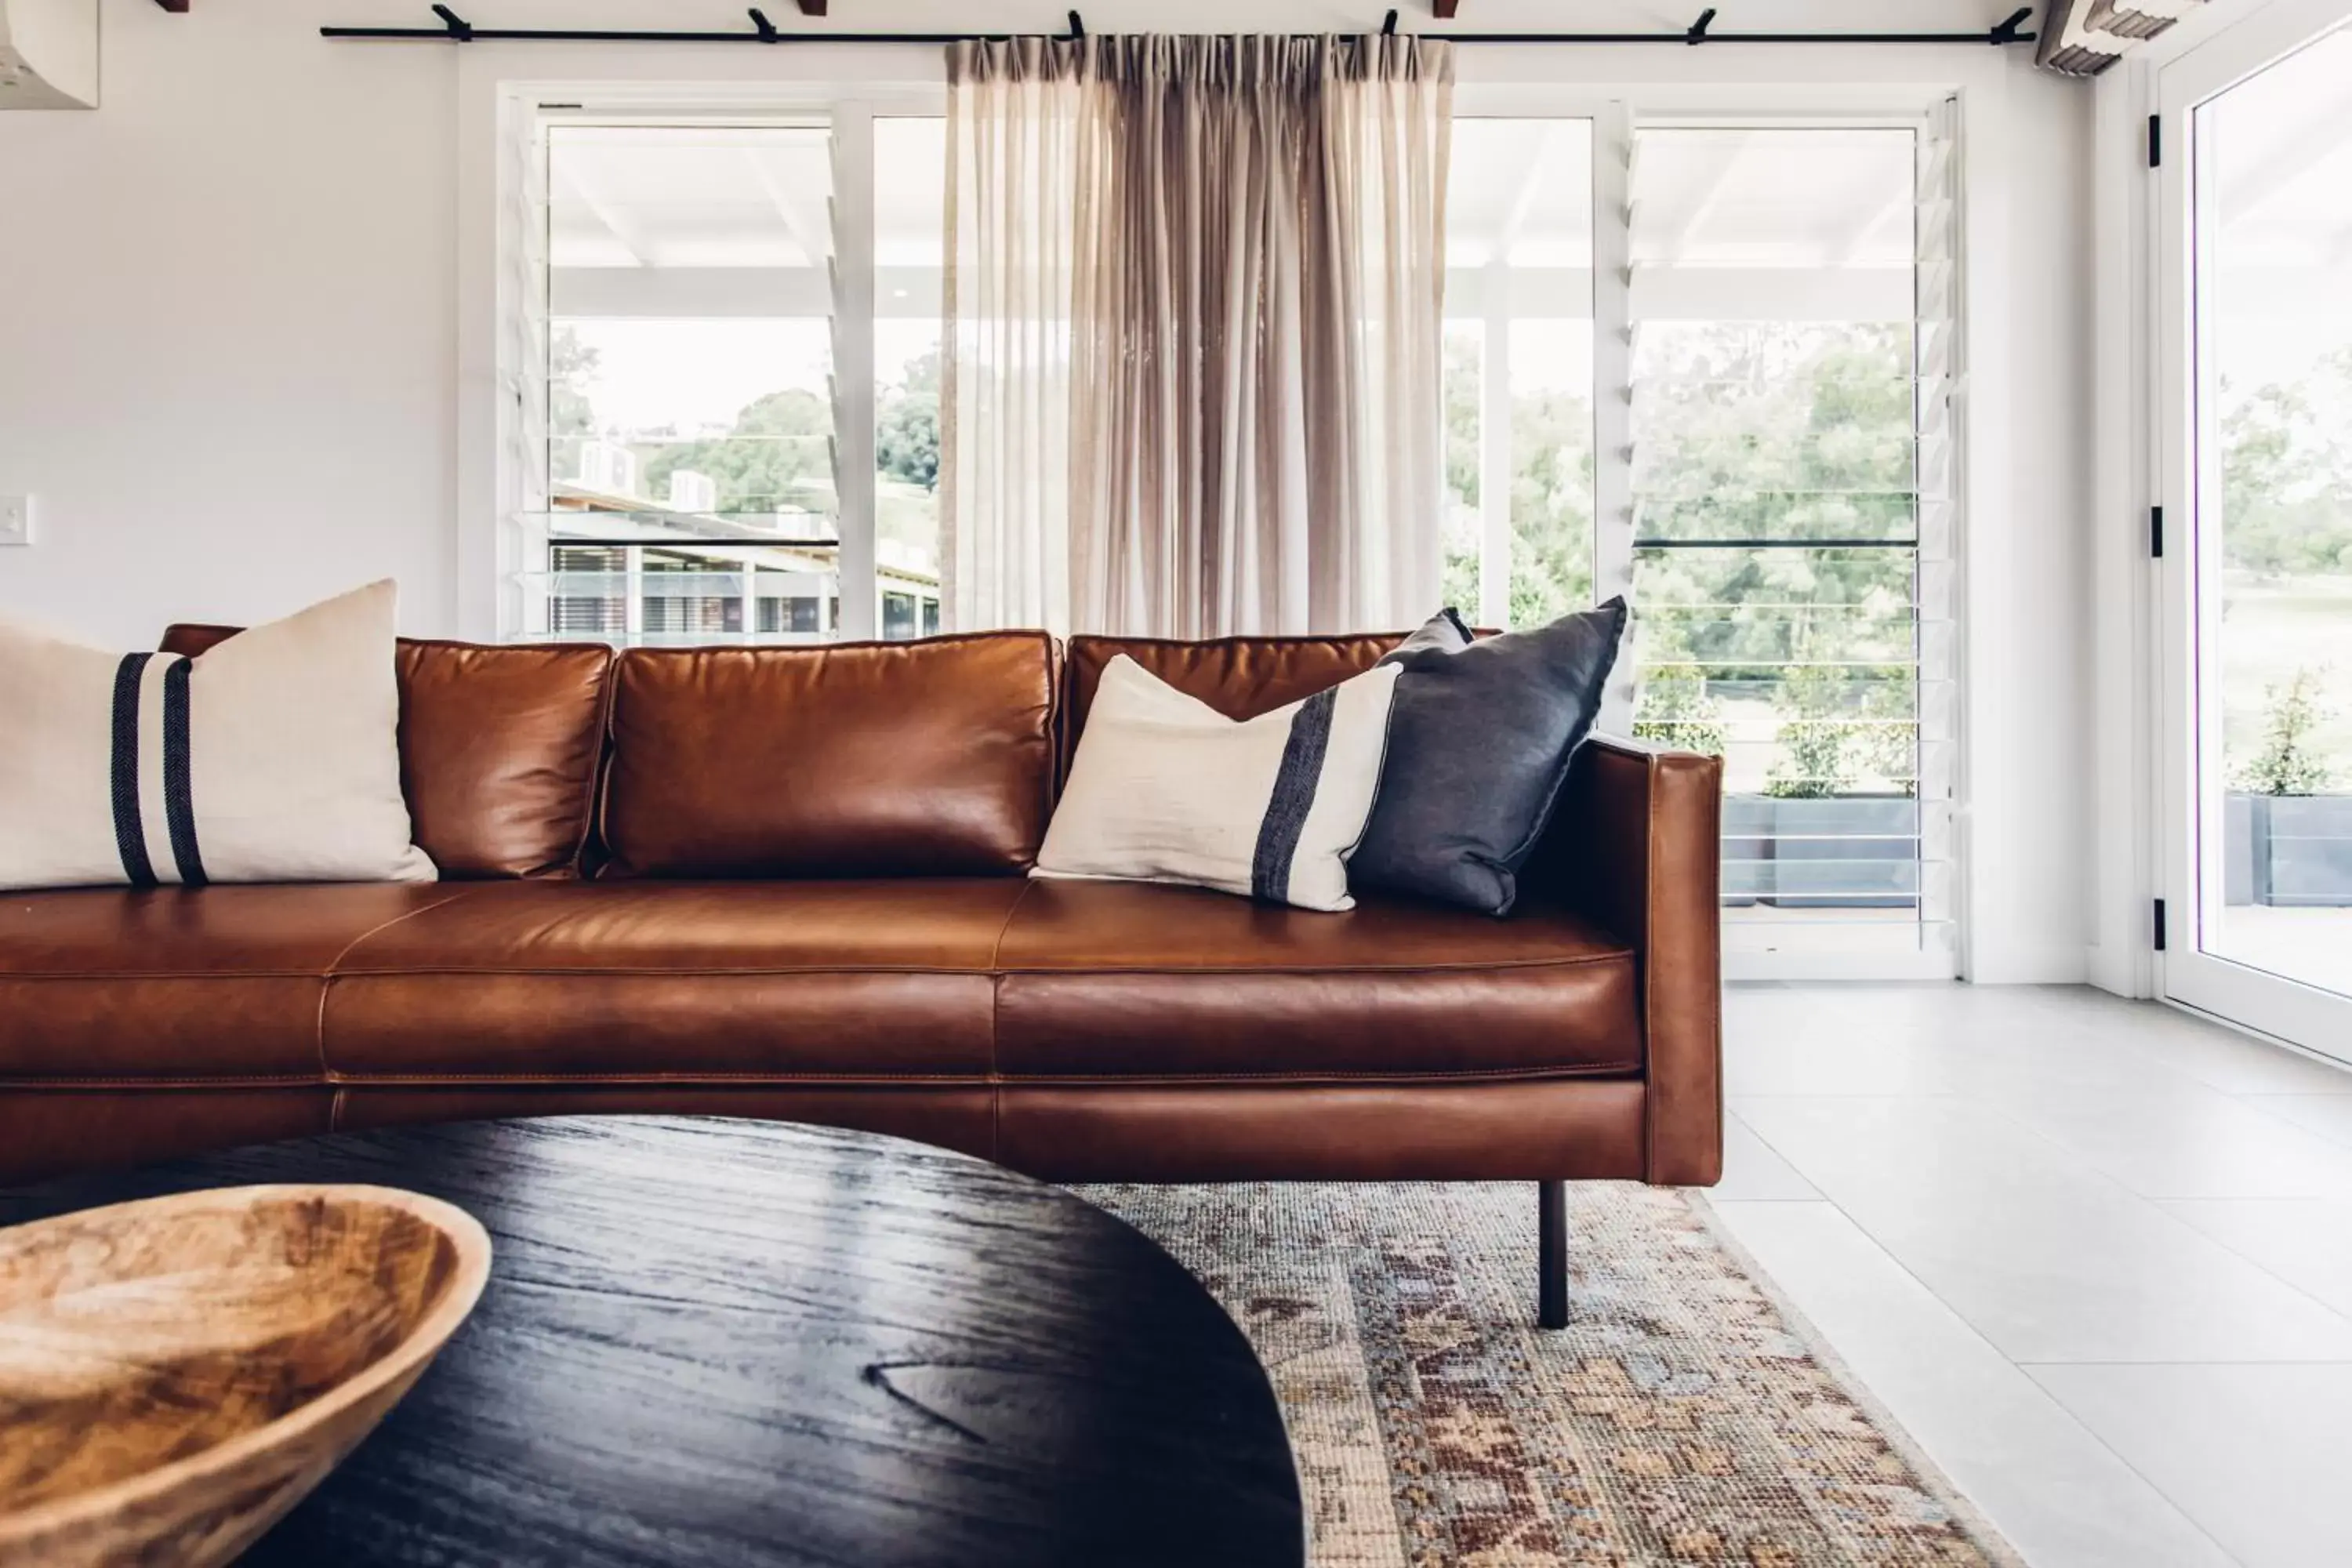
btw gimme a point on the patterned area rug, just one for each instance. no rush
(1682, 1417)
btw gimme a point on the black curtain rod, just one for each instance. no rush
(456, 29)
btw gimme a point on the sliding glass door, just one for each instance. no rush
(2256, 565)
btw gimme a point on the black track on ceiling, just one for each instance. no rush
(456, 29)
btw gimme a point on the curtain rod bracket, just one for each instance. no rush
(1388, 26)
(1697, 34)
(461, 29)
(1077, 29)
(2012, 29)
(768, 34)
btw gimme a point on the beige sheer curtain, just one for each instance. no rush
(1195, 288)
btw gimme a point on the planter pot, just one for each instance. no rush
(2293, 850)
(1747, 848)
(1845, 852)
(2238, 853)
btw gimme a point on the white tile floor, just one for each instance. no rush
(2096, 1256)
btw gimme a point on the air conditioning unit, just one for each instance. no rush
(608, 468)
(690, 491)
(48, 54)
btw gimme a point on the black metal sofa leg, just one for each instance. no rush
(1551, 1254)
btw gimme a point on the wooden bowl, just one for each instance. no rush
(175, 1374)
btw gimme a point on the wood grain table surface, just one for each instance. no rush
(710, 1341)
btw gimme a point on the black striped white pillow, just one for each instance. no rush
(1164, 788)
(272, 757)
(148, 772)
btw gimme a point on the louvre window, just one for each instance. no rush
(1789, 512)
(1708, 364)
(710, 304)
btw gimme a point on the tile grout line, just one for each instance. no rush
(2172, 1219)
(2072, 1157)
(1969, 1328)
(2284, 1360)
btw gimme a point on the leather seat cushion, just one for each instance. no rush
(1121, 980)
(944, 982)
(651, 981)
(222, 983)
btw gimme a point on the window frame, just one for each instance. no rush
(1930, 945)
(503, 128)
(1996, 850)
(2181, 437)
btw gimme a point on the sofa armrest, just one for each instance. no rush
(1634, 847)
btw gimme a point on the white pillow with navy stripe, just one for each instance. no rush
(273, 757)
(1164, 788)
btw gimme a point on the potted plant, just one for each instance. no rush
(1833, 846)
(2288, 840)
(1677, 710)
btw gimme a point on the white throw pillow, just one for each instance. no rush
(1166, 789)
(274, 757)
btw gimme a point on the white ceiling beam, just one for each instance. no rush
(1711, 198)
(640, 245)
(816, 239)
(1523, 200)
(703, 293)
(1697, 293)
(1847, 252)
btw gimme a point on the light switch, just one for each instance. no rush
(16, 519)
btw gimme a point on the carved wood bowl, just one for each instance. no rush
(175, 1374)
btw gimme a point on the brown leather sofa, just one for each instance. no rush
(789, 883)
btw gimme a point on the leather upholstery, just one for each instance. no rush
(1073, 1029)
(110, 985)
(1635, 847)
(499, 749)
(1120, 981)
(931, 758)
(1239, 677)
(64, 1128)
(1538, 1130)
(653, 982)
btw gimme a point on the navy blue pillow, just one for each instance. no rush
(1479, 740)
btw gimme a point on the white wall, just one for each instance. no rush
(229, 306)
(225, 349)
(2030, 809)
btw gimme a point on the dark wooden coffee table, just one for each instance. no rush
(712, 1341)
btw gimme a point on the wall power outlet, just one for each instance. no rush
(16, 519)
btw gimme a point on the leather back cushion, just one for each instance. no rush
(1239, 677)
(931, 758)
(498, 748)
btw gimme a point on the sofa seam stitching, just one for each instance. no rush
(991, 970)
(994, 968)
(31, 1083)
(336, 1077)
(327, 976)
(996, 1014)
(86, 976)
(334, 965)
